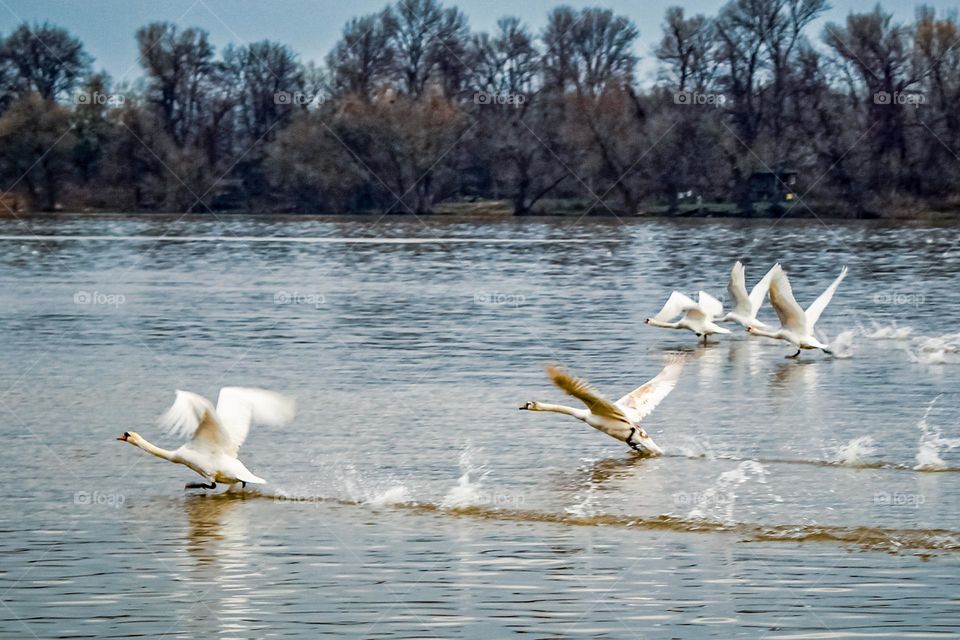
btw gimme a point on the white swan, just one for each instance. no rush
(620, 419)
(216, 435)
(697, 316)
(747, 306)
(796, 325)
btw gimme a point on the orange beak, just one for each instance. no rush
(124, 437)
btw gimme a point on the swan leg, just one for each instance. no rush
(794, 355)
(633, 445)
(200, 485)
(243, 484)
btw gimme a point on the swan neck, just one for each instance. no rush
(665, 325)
(759, 331)
(559, 408)
(154, 450)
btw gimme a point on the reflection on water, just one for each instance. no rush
(410, 498)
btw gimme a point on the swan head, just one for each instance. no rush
(130, 436)
(530, 406)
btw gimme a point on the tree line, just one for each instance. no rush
(411, 109)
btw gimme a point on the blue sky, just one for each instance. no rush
(311, 27)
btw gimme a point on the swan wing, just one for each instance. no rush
(791, 315)
(710, 306)
(817, 306)
(759, 291)
(641, 402)
(193, 416)
(676, 304)
(239, 407)
(586, 393)
(737, 288)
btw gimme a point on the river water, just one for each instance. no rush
(814, 498)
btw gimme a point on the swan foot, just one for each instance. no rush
(794, 355)
(243, 485)
(200, 485)
(634, 445)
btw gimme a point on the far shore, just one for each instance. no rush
(569, 209)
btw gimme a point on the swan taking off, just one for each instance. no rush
(620, 419)
(217, 434)
(796, 325)
(747, 306)
(697, 316)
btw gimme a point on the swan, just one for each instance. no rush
(697, 316)
(620, 419)
(796, 325)
(747, 306)
(216, 435)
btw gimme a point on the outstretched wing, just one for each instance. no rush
(737, 288)
(585, 393)
(193, 416)
(676, 304)
(710, 305)
(641, 402)
(781, 297)
(239, 407)
(817, 306)
(759, 291)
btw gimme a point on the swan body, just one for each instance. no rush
(796, 325)
(620, 419)
(747, 305)
(216, 435)
(697, 317)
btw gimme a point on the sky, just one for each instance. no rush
(311, 27)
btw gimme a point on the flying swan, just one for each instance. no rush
(796, 325)
(216, 435)
(747, 306)
(697, 316)
(620, 419)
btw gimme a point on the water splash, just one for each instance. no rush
(886, 332)
(469, 488)
(932, 443)
(935, 349)
(856, 453)
(842, 345)
(362, 490)
(718, 502)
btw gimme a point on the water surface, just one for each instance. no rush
(410, 498)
